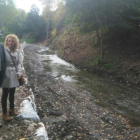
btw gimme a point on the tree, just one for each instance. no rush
(18, 25)
(48, 3)
(59, 15)
(7, 2)
(7, 12)
(35, 24)
(117, 18)
(47, 13)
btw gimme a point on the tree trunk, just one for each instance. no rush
(47, 36)
(98, 37)
(101, 44)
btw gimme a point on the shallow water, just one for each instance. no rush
(106, 92)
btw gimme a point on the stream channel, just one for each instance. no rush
(106, 92)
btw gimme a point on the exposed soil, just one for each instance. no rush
(15, 129)
(70, 112)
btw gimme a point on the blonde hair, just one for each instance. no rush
(16, 40)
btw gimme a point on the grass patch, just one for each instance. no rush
(109, 65)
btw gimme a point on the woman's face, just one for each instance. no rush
(10, 42)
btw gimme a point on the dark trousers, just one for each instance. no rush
(5, 93)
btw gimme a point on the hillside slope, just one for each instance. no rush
(120, 62)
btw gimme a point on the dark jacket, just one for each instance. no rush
(2, 64)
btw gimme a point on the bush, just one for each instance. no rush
(2, 38)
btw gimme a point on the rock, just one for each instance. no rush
(5, 136)
(55, 112)
(54, 120)
(41, 133)
(27, 122)
(15, 125)
(69, 137)
(28, 110)
(13, 137)
(31, 127)
(106, 118)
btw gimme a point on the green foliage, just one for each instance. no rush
(54, 32)
(29, 40)
(7, 12)
(7, 2)
(18, 25)
(48, 16)
(76, 30)
(5, 33)
(35, 24)
(2, 38)
(48, 2)
(68, 19)
(59, 52)
(59, 16)
(120, 18)
(97, 61)
(18, 22)
(108, 65)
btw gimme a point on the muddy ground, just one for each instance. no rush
(69, 113)
(15, 129)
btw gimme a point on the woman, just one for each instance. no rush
(12, 74)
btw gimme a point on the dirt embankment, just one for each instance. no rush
(82, 50)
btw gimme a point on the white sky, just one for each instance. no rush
(26, 4)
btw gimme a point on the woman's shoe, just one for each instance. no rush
(6, 117)
(13, 112)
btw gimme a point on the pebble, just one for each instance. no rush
(31, 127)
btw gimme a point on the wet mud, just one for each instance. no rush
(75, 105)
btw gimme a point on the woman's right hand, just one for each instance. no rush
(18, 76)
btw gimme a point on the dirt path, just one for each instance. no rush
(71, 113)
(68, 113)
(15, 129)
